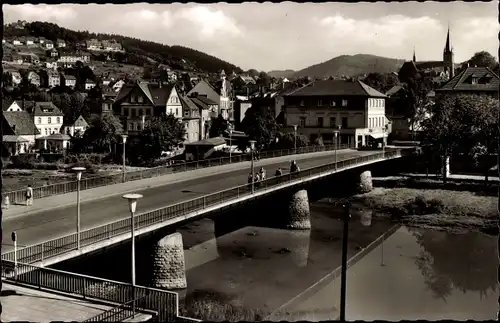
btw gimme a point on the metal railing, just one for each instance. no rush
(117, 314)
(60, 246)
(163, 302)
(19, 196)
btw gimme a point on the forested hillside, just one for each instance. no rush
(138, 52)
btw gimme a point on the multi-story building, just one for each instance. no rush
(34, 78)
(69, 59)
(207, 110)
(48, 118)
(93, 45)
(61, 43)
(472, 80)
(78, 125)
(352, 107)
(136, 102)
(68, 80)
(18, 131)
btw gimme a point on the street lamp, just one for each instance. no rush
(132, 205)
(78, 171)
(295, 137)
(345, 237)
(124, 141)
(252, 147)
(230, 141)
(336, 133)
(386, 128)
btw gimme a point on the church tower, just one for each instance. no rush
(224, 103)
(414, 56)
(449, 68)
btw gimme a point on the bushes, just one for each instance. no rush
(421, 206)
(26, 161)
(91, 158)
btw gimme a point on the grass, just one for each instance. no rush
(18, 179)
(214, 306)
(452, 210)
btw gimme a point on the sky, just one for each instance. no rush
(286, 35)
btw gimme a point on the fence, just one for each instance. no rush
(99, 181)
(59, 246)
(163, 302)
(117, 314)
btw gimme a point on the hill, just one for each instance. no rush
(280, 74)
(352, 65)
(138, 52)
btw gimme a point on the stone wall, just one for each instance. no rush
(298, 212)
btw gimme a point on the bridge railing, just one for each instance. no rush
(163, 302)
(104, 180)
(60, 246)
(117, 314)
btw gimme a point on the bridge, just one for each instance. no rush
(51, 251)
(109, 219)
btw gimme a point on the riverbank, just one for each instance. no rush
(437, 206)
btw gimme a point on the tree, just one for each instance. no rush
(218, 126)
(161, 134)
(102, 132)
(483, 59)
(259, 124)
(463, 123)
(381, 82)
(287, 141)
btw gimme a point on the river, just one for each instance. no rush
(252, 272)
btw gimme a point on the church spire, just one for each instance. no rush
(414, 55)
(447, 47)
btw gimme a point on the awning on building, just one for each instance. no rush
(14, 138)
(377, 135)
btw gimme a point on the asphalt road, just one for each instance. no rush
(43, 226)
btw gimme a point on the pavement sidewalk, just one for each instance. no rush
(64, 200)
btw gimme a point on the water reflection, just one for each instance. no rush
(457, 261)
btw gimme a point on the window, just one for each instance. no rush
(147, 112)
(174, 99)
(344, 103)
(137, 126)
(344, 122)
(302, 122)
(139, 99)
(333, 122)
(49, 120)
(125, 112)
(141, 112)
(39, 120)
(176, 111)
(58, 119)
(132, 98)
(320, 122)
(333, 103)
(302, 103)
(186, 114)
(46, 131)
(320, 103)
(131, 126)
(133, 112)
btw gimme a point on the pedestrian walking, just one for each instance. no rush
(29, 196)
(279, 172)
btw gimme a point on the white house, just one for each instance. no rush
(174, 104)
(13, 106)
(49, 44)
(18, 42)
(47, 118)
(77, 126)
(89, 84)
(69, 81)
(118, 85)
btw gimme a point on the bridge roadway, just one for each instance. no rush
(53, 223)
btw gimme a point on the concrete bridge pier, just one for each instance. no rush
(168, 264)
(365, 183)
(299, 215)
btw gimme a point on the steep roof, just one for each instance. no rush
(460, 81)
(203, 87)
(393, 90)
(337, 87)
(187, 104)
(77, 122)
(157, 95)
(22, 122)
(46, 109)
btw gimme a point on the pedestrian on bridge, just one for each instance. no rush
(29, 196)
(279, 172)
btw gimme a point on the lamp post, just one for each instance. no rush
(386, 128)
(132, 205)
(78, 171)
(230, 142)
(295, 137)
(252, 147)
(343, 282)
(124, 141)
(336, 133)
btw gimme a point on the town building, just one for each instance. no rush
(75, 126)
(472, 80)
(48, 44)
(68, 80)
(47, 118)
(93, 45)
(207, 109)
(352, 107)
(34, 78)
(16, 77)
(30, 41)
(18, 131)
(61, 43)
(138, 101)
(89, 84)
